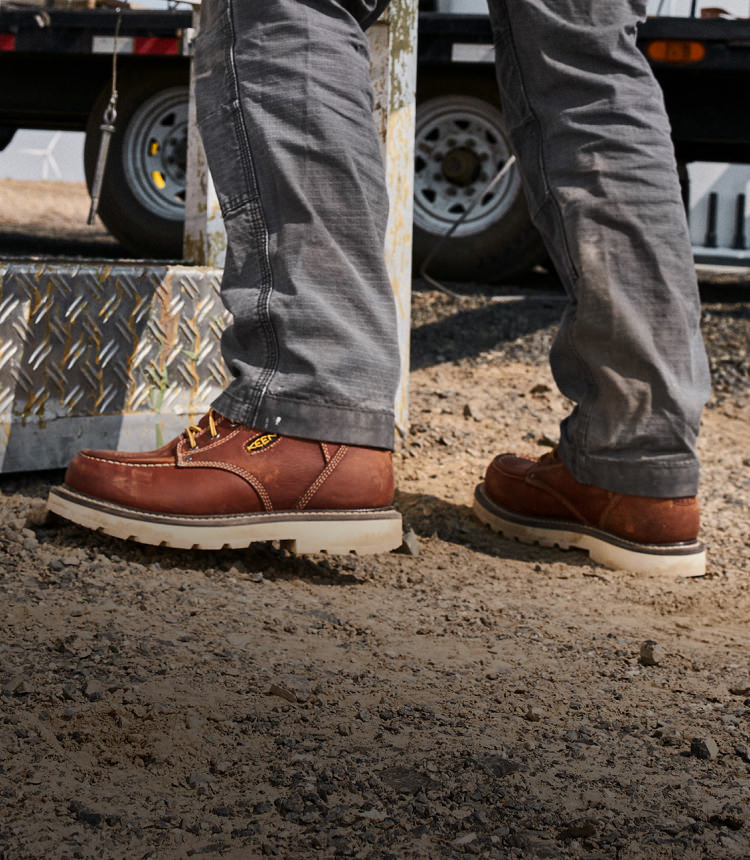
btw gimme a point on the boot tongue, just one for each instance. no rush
(549, 457)
(219, 421)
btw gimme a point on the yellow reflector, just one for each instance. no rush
(158, 179)
(153, 147)
(676, 51)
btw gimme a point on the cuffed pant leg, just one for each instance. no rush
(285, 110)
(587, 120)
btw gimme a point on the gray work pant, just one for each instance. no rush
(284, 106)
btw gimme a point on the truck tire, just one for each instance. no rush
(460, 146)
(142, 201)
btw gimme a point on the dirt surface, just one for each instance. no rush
(49, 219)
(480, 699)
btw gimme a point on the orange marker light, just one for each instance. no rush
(676, 51)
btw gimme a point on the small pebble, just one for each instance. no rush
(282, 692)
(705, 748)
(220, 765)
(583, 828)
(670, 737)
(533, 714)
(196, 780)
(410, 546)
(37, 516)
(93, 690)
(473, 410)
(466, 839)
(651, 653)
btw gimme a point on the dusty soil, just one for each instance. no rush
(480, 699)
(49, 219)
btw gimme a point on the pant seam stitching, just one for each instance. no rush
(258, 224)
(583, 419)
(548, 191)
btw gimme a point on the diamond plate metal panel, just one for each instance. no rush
(103, 355)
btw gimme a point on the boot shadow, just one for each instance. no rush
(269, 560)
(454, 523)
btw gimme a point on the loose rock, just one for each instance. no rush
(282, 693)
(37, 516)
(18, 685)
(410, 546)
(704, 747)
(473, 409)
(466, 839)
(740, 688)
(406, 779)
(93, 690)
(651, 653)
(582, 828)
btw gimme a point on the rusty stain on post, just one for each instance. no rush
(393, 46)
(205, 241)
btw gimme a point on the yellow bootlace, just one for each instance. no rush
(552, 455)
(193, 429)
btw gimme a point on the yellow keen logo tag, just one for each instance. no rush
(261, 442)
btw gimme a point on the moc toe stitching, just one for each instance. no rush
(287, 475)
(251, 479)
(229, 504)
(126, 464)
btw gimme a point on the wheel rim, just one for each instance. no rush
(460, 146)
(155, 153)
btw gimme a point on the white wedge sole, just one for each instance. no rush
(335, 532)
(677, 559)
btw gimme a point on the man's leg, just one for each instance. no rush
(297, 448)
(587, 120)
(285, 110)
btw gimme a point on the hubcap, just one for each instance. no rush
(155, 153)
(460, 147)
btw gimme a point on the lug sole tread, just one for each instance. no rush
(683, 559)
(303, 532)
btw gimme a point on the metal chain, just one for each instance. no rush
(107, 129)
(113, 97)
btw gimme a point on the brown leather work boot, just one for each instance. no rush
(222, 484)
(539, 501)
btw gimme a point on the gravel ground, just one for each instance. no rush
(478, 699)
